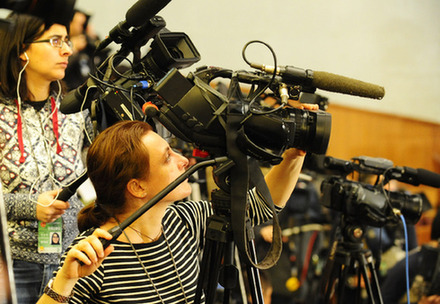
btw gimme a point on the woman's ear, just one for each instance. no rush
(137, 188)
(24, 56)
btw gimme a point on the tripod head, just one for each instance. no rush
(348, 257)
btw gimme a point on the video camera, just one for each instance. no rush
(190, 107)
(371, 204)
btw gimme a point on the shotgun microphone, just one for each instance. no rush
(137, 15)
(325, 81)
(416, 177)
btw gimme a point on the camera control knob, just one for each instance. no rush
(191, 122)
(198, 127)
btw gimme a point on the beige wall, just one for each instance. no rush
(393, 43)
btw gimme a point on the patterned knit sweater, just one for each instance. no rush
(36, 159)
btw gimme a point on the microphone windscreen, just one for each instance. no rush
(345, 85)
(144, 10)
(428, 178)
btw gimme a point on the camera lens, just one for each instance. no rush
(290, 128)
(409, 205)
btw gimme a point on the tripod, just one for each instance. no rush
(348, 255)
(219, 255)
(219, 251)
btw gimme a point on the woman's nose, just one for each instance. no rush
(66, 50)
(184, 162)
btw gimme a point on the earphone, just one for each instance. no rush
(26, 55)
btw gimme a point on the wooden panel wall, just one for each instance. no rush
(405, 141)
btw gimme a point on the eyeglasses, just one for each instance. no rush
(55, 42)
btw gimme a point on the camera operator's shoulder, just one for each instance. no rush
(190, 205)
(191, 210)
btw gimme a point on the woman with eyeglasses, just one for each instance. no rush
(40, 148)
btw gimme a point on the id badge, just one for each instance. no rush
(50, 236)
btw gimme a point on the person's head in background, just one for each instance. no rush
(79, 23)
(83, 34)
(34, 56)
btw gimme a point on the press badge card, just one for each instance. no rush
(50, 236)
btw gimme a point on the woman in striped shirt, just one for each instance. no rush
(156, 259)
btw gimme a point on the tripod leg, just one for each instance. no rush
(375, 279)
(376, 284)
(328, 281)
(343, 275)
(229, 273)
(214, 275)
(336, 271)
(374, 294)
(254, 277)
(204, 271)
(367, 284)
(209, 271)
(217, 235)
(327, 278)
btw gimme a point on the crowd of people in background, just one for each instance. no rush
(84, 59)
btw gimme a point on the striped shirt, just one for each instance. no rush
(172, 262)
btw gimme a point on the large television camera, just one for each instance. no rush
(190, 107)
(371, 204)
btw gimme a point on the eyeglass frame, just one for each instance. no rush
(50, 40)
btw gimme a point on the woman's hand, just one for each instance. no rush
(266, 233)
(90, 252)
(81, 260)
(303, 106)
(49, 208)
(306, 106)
(282, 178)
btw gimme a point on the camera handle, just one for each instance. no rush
(346, 255)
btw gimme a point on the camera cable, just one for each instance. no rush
(406, 256)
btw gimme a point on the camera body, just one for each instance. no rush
(192, 110)
(363, 203)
